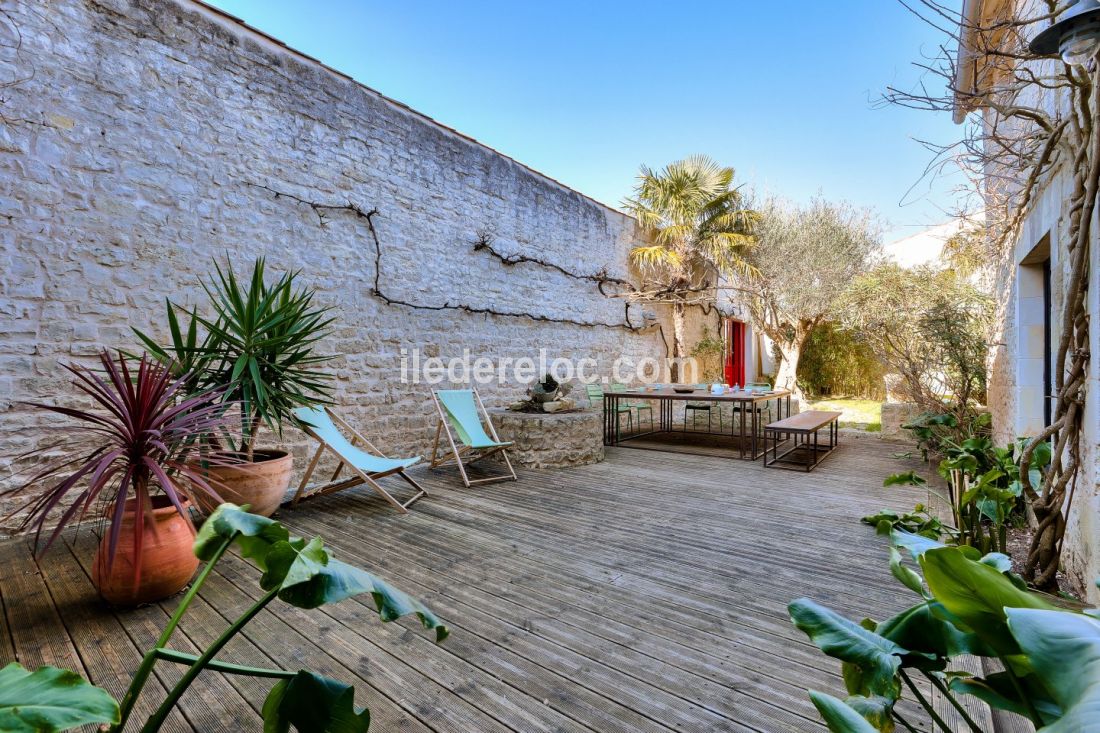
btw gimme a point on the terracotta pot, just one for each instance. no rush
(167, 560)
(261, 484)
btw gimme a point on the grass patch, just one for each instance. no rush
(860, 414)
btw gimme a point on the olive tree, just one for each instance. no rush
(803, 262)
(932, 328)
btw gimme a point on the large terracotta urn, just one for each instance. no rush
(167, 561)
(261, 483)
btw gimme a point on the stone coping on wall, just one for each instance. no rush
(551, 440)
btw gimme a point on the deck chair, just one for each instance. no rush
(366, 468)
(460, 415)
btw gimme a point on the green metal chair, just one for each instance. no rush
(764, 409)
(708, 407)
(595, 398)
(639, 407)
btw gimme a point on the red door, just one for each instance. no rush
(735, 356)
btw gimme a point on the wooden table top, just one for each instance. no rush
(702, 395)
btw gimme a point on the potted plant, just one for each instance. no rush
(134, 454)
(258, 349)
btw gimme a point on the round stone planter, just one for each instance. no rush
(557, 440)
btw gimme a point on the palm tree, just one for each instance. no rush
(697, 227)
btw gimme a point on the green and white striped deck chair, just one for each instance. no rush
(460, 415)
(321, 424)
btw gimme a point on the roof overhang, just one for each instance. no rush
(981, 28)
(966, 68)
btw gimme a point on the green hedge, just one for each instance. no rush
(836, 363)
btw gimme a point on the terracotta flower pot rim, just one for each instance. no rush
(259, 455)
(162, 507)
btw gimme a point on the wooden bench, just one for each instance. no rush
(803, 428)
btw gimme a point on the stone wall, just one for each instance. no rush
(558, 440)
(894, 415)
(135, 148)
(1016, 392)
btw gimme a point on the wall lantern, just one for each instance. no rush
(1076, 36)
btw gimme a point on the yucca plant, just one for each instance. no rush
(258, 347)
(142, 437)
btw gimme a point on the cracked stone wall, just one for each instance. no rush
(132, 142)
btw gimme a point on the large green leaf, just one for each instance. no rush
(909, 478)
(304, 573)
(1000, 691)
(1064, 651)
(50, 699)
(976, 595)
(930, 639)
(916, 544)
(871, 662)
(255, 535)
(307, 577)
(838, 716)
(313, 704)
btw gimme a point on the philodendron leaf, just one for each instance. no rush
(871, 661)
(50, 699)
(308, 577)
(838, 716)
(313, 704)
(1000, 561)
(998, 690)
(931, 640)
(916, 544)
(976, 595)
(877, 710)
(909, 478)
(908, 577)
(1064, 651)
(255, 535)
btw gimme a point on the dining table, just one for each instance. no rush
(746, 428)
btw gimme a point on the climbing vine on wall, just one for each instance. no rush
(482, 244)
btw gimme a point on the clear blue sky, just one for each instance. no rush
(587, 91)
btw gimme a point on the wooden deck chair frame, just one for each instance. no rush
(460, 452)
(359, 477)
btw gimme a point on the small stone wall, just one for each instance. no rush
(556, 440)
(894, 415)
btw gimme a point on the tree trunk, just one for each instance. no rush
(678, 347)
(786, 374)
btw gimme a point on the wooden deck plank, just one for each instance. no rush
(396, 677)
(289, 643)
(39, 636)
(488, 694)
(726, 696)
(212, 705)
(646, 593)
(551, 595)
(99, 637)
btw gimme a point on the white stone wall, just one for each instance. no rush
(1016, 370)
(130, 156)
(1016, 392)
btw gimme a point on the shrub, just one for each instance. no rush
(835, 361)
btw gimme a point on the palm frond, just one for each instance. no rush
(655, 257)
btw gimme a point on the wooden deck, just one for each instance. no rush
(646, 593)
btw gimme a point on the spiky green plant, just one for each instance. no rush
(259, 347)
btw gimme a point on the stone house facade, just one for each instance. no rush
(140, 140)
(1029, 286)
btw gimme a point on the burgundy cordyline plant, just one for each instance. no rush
(144, 436)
